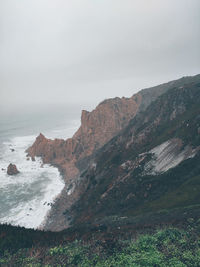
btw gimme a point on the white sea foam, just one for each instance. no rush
(25, 198)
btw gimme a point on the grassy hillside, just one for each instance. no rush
(166, 246)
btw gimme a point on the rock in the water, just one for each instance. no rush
(12, 169)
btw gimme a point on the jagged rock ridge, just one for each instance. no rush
(152, 164)
(97, 128)
(113, 181)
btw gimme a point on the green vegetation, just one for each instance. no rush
(187, 193)
(113, 190)
(177, 188)
(126, 218)
(165, 247)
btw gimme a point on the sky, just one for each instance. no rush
(84, 51)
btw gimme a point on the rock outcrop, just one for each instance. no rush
(152, 165)
(12, 169)
(97, 128)
(106, 147)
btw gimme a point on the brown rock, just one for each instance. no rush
(97, 128)
(12, 169)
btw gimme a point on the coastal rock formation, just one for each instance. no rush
(12, 169)
(100, 125)
(97, 128)
(114, 146)
(151, 165)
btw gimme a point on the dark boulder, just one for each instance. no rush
(12, 169)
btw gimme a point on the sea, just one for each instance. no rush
(26, 198)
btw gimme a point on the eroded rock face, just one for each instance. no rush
(100, 125)
(116, 164)
(12, 169)
(154, 160)
(97, 128)
(168, 155)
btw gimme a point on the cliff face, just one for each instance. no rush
(97, 128)
(100, 125)
(152, 165)
(128, 152)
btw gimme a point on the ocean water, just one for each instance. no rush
(26, 198)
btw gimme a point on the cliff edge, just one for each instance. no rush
(97, 128)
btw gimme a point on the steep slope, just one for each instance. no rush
(98, 127)
(153, 164)
(144, 180)
(151, 94)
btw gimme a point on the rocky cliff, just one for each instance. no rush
(97, 128)
(150, 166)
(106, 164)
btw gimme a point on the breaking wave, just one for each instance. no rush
(26, 198)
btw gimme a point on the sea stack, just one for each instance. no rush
(12, 169)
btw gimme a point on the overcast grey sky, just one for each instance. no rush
(79, 51)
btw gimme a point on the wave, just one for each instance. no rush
(26, 198)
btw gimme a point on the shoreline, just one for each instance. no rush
(48, 215)
(33, 186)
(24, 196)
(59, 216)
(51, 218)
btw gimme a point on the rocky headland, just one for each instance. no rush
(97, 128)
(76, 156)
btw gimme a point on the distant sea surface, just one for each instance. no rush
(25, 198)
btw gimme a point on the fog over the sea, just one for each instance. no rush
(83, 51)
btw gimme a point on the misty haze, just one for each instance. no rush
(99, 133)
(86, 51)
